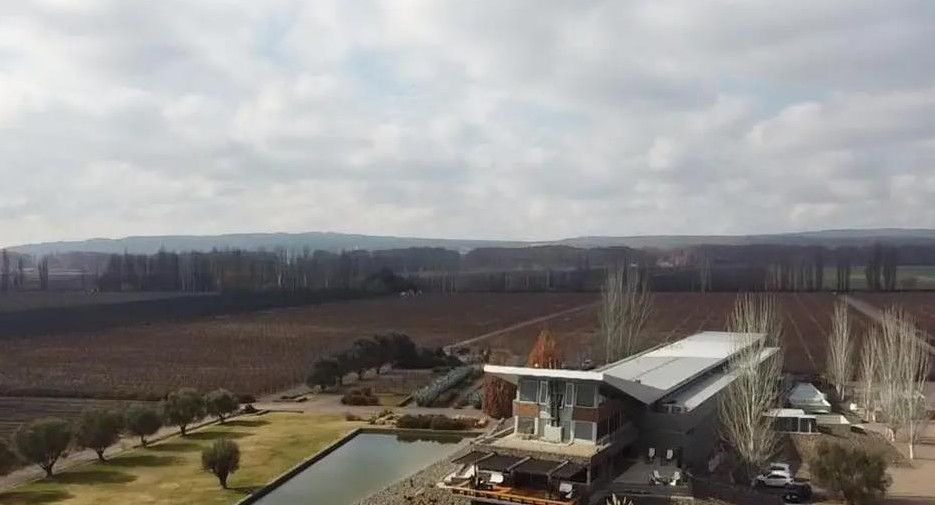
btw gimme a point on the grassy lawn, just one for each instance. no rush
(169, 472)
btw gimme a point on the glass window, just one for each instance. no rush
(584, 431)
(586, 396)
(569, 394)
(526, 425)
(602, 428)
(543, 392)
(528, 389)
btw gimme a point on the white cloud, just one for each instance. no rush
(537, 119)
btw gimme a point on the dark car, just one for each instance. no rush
(797, 492)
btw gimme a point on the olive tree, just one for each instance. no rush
(182, 408)
(756, 367)
(221, 403)
(326, 372)
(221, 458)
(98, 430)
(43, 442)
(143, 421)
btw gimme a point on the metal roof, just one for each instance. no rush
(699, 391)
(499, 463)
(538, 466)
(805, 393)
(655, 373)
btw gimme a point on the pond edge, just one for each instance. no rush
(303, 465)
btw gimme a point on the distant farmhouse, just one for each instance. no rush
(636, 426)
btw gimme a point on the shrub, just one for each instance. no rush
(854, 473)
(326, 372)
(411, 422)
(142, 421)
(221, 458)
(250, 409)
(246, 399)
(43, 442)
(476, 399)
(98, 430)
(360, 397)
(446, 423)
(437, 422)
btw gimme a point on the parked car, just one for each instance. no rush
(780, 467)
(797, 492)
(773, 479)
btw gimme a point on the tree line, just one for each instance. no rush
(239, 270)
(765, 267)
(393, 349)
(217, 271)
(44, 442)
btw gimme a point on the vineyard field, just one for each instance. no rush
(258, 353)
(921, 305)
(806, 320)
(15, 411)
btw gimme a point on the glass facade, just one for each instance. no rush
(586, 395)
(584, 431)
(528, 390)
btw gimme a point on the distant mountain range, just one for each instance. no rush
(343, 241)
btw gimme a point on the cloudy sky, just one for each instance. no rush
(525, 119)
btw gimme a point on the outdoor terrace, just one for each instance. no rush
(508, 495)
(641, 478)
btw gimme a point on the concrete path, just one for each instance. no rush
(915, 485)
(331, 404)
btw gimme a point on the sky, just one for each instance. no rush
(527, 119)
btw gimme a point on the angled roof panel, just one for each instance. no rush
(653, 374)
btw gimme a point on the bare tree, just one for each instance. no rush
(839, 367)
(870, 371)
(753, 392)
(626, 304)
(904, 365)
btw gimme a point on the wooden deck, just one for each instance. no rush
(513, 495)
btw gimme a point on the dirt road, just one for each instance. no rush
(876, 315)
(520, 325)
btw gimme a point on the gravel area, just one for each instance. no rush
(419, 488)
